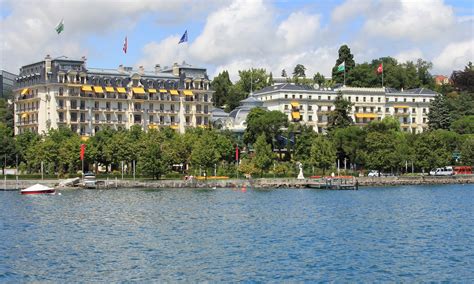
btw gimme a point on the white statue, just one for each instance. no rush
(300, 175)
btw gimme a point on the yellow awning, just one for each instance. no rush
(401, 106)
(109, 89)
(84, 138)
(365, 115)
(24, 91)
(163, 91)
(87, 88)
(25, 115)
(174, 126)
(98, 89)
(121, 90)
(74, 85)
(295, 104)
(139, 91)
(295, 115)
(187, 93)
(152, 126)
(174, 92)
(152, 91)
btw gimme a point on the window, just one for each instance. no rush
(151, 118)
(107, 116)
(357, 99)
(61, 103)
(363, 99)
(424, 119)
(137, 118)
(61, 91)
(310, 118)
(386, 100)
(310, 107)
(301, 96)
(107, 105)
(413, 100)
(424, 110)
(319, 97)
(424, 100)
(387, 109)
(150, 107)
(119, 105)
(412, 120)
(405, 100)
(73, 116)
(83, 117)
(329, 98)
(137, 106)
(96, 117)
(286, 107)
(96, 105)
(309, 97)
(413, 110)
(293, 96)
(396, 99)
(119, 117)
(379, 99)
(379, 109)
(286, 96)
(349, 98)
(371, 99)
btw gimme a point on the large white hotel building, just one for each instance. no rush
(312, 106)
(65, 92)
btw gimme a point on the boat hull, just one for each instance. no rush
(47, 191)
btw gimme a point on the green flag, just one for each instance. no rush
(341, 67)
(60, 27)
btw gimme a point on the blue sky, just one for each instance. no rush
(238, 34)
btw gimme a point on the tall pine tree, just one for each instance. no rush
(439, 116)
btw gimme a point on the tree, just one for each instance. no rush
(205, 153)
(152, 160)
(303, 142)
(283, 73)
(339, 117)
(250, 80)
(263, 154)
(424, 76)
(382, 152)
(323, 153)
(260, 121)
(221, 84)
(319, 79)
(439, 116)
(270, 79)
(7, 145)
(464, 80)
(464, 125)
(467, 151)
(299, 71)
(350, 144)
(348, 59)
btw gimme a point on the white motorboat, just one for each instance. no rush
(38, 189)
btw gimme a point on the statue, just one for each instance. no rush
(300, 175)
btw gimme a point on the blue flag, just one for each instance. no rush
(184, 38)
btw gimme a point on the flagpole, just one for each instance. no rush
(382, 74)
(344, 73)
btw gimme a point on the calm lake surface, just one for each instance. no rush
(404, 234)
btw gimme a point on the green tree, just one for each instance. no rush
(303, 143)
(299, 71)
(260, 121)
(348, 59)
(319, 79)
(464, 125)
(350, 144)
(439, 116)
(152, 160)
(339, 117)
(7, 146)
(382, 154)
(464, 80)
(467, 151)
(250, 80)
(205, 153)
(323, 153)
(221, 84)
(424, 76)
(263, 154)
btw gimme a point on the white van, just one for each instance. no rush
(445, 171)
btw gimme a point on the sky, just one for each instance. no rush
(237, 34)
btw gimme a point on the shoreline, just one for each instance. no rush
(12, 185)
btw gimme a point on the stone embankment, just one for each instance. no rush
(255, 183)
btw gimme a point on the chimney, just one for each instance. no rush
(175, 69)
(157, 68)
(121, 69)
(84, 59)
(47, 66)
(141, 70)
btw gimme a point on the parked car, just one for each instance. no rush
(374, 173)
(444, 171)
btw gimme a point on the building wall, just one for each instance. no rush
(7, 80)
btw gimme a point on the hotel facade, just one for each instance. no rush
(64, 92)
(312, 106)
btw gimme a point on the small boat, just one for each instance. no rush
(89, 180)
(38, 189)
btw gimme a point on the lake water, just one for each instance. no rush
(403, 234)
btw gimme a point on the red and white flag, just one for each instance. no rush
(380, 68)
(125, 45)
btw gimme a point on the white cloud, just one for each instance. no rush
(298, 30)
(409, 55)
(27, 33)
(350, 9)
(454, 56)
(405, 19)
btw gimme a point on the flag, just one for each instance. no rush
(125, 45)
(380, 68)
(60, 26)
(341, 67)
(237, 153)
(83, 151)
(184, 38)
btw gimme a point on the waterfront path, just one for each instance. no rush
(256, 183)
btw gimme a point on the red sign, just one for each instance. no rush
(380, 68)
(83, 150)
(237, 153)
